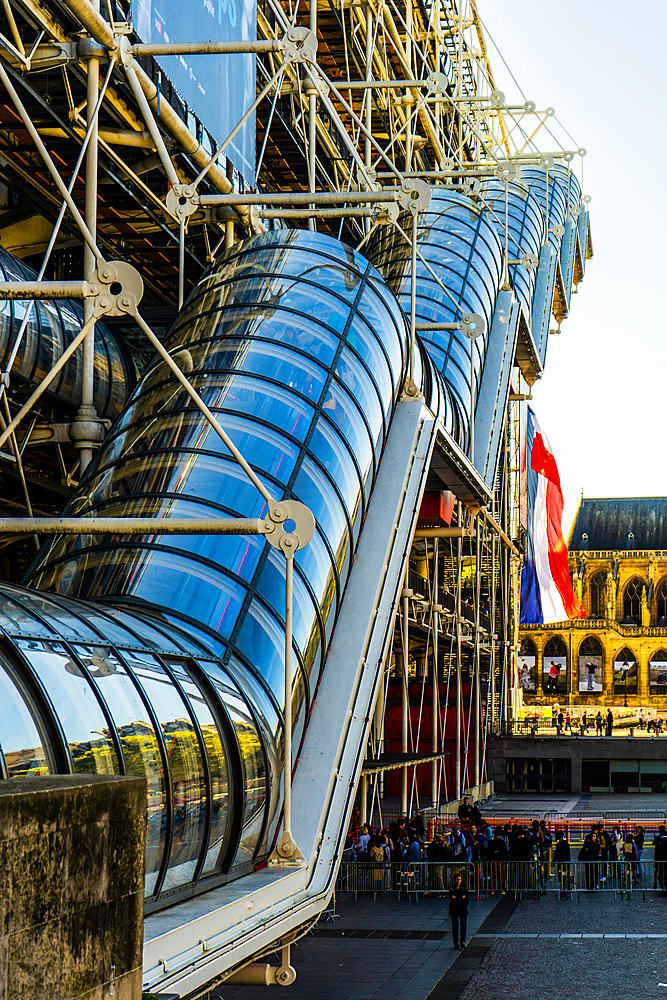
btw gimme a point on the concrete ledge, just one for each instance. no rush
(72, 872)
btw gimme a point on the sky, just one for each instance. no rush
(601, 398)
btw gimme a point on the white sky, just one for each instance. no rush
(601, 397)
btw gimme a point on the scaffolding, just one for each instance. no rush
(122, 198)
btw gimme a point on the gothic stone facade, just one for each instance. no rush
(624, 591)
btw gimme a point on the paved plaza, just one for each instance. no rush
(567, 950)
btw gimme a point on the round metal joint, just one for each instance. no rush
(416, 195)
(182, 201)
(117, 288)
(472, 325)
(285, 975)
(289, 526)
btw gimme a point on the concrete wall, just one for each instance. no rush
(72, 872)
(553, 748)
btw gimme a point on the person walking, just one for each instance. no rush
(598, 723)
(584, 724)
(458, 911)
(630, 860)
(561, 722)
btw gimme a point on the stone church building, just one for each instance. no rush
(618, 654)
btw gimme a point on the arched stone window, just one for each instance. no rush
(625, 672)
(657, 673)
(554, 666)
(598, 595)
(632, 600)
(591, 658)
(661, 601)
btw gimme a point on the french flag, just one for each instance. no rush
(547, 595)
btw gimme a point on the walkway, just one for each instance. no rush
(410, 948)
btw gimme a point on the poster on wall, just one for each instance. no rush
(590, 673)
(625, 676)
(555, 674)
(657, 675)
(527, 674)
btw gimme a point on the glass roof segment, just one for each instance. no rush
(525, 223)
(461, 247)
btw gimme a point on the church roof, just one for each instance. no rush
(610, 523)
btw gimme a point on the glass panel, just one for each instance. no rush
(61, 619)
(271, 585)
(81, 717)
(186, 767)
(217, 753)
(16, 620)
(21, 743)
(140, 747)
(252, 758)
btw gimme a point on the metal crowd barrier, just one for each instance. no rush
(412, 880)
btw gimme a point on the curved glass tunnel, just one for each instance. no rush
(163, 655)
(173, 668)
(52, 326)
(461, 247)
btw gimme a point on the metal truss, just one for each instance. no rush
(361, 108)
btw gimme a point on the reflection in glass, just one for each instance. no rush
(140, 746)
(186, 766)
(217, 756)
(252, 759)
(20, 741)
(78, 710)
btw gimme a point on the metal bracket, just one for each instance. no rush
(286, 854)
(506, 171)
(182, 201)
(116, 289)
(415, 196)
(385, 213)
(301, 526)
(472, 325)
(299, 45)
(558, 230)
(437, 83)
(528, 260)
(411, 391)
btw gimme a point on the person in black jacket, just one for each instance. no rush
(562, 857)
(497, 854)
(660, 856)
(458, 911)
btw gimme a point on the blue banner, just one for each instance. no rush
(218, 89)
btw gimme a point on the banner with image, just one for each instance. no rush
(555, 674)
(590, 673)
(657, 675)
(527, 679)
(625, 676)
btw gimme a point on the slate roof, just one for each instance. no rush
(608, 521)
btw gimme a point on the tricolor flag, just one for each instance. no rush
(546, 588)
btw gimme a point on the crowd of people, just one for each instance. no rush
(486, 853)
(472, 840)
